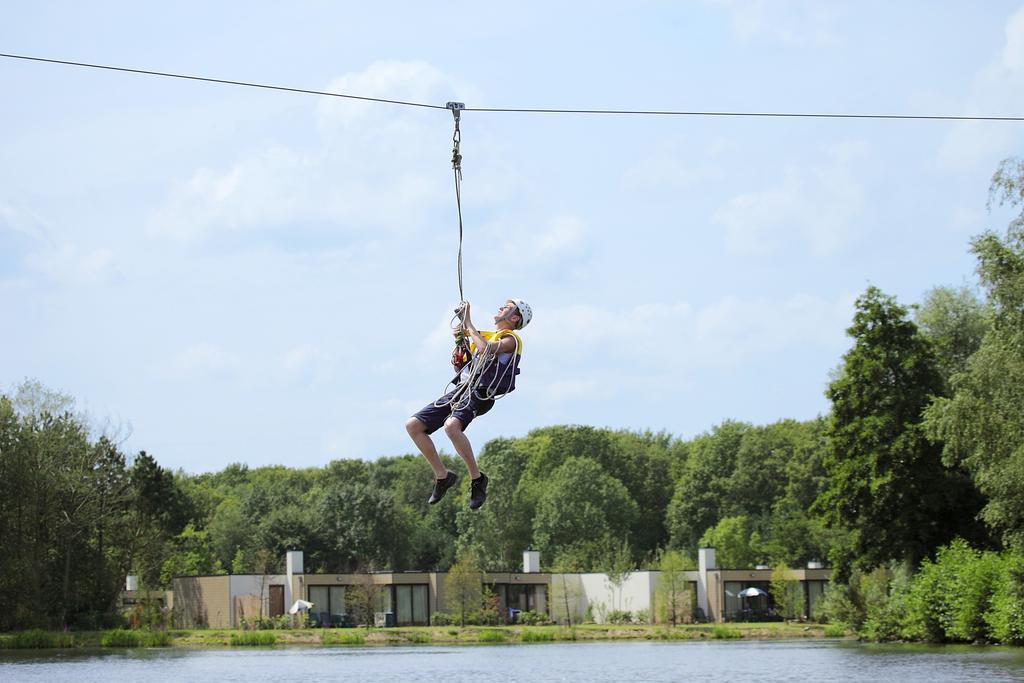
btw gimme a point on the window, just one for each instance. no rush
(739, 608)
(412, 604)
(815, 590)
(328, 603)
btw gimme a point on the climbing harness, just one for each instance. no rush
(487, 375)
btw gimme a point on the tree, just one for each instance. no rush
(955, 322)
(359, 524)
(266, 564)
(62, 501)
(500, 531)
(735, 542)
(618, 568)
(886, 480)
(363, 598)
(579, 508)
(982, 424)
(566, 594)
(463, 587)
(672, 592)
(231, 532)
(786, 592)
(703, 489)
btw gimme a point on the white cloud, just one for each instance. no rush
(1013, 50)
(675, 164)
(998, 90)
(70, 265)
(392, 80)
(374, 166)
(23, 222)
(308, 364)
(655, 345)
(563, 233)
(202, 361)
(817, 205)
(660, 335)
(800, 22)
(577, 389)
(967, 220)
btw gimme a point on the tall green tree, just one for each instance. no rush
(887, 483)
(955, 322)
(737, 544)
(703, 490)
(464, 587)
(982, 424)
(673, 597)
(579, 510)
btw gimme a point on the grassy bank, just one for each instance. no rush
(438, 635)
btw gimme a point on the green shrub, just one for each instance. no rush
(977, 581)
(885, 595)
(490, 636)
(253, 639)
(642, 616)
(418, 637)
(839, 604)
(531, 618)
(121, 637)
(532, 636)
(725, 633)
(1005, 618)
(282, 621)
(835, 631)
(37, 639)
(949, 597)
(156, 639)
(453, 631)
(441, 619)
(342, 638)
(616, 616)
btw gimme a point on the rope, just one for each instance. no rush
(525, 110)
(468, 381)
(456, 108)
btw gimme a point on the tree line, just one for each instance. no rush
(923, 447)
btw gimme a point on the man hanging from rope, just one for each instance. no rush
(487, 368)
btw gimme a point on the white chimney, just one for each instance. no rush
(293, 562)
(814, 564)
(531, 561)
(705, 563)
(131, 583)
(706, 559)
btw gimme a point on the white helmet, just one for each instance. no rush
(525, 313)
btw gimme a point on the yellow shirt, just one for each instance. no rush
(495, 336)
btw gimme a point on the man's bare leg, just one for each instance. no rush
(418, 431)
(453, 428)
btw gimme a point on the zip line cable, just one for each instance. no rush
(222, 81)
(524, 110)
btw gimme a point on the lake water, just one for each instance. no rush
(592, 662)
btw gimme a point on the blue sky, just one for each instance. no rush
(237, 275)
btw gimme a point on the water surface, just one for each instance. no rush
(598, 662)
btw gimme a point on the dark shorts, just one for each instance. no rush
(434, 417)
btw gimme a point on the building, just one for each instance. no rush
(715, 592)
(411, 598)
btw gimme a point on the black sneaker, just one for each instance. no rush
(478, 491)
(441, 487)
